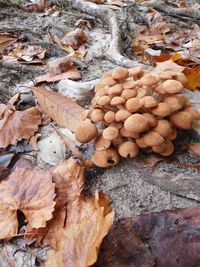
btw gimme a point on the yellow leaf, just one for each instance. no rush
(193, 76)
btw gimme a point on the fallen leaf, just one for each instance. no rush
(193, 76)
(168, 65)
(62, 109)
(72, 74)
(81, 22)
(80, 239)
(194, 149)
(6, 39)
(13, 99)
(33, 142)
(28, 53)
(17, 125)
(32, 192)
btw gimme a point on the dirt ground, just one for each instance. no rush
(133, 187)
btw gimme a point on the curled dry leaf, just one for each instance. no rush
(62, 109)
(80, 239)
(30, 191)
(17, 125)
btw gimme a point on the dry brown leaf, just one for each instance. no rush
(62, 109)
(193, 76)
(32, 192)
(69, 180)
(194, 149)
(168, 65)
(72, 39)
(80, 239)
(28, 53)
(6, 39)
(17, 125)
(13, 99)
(81, 22)
(72, 74)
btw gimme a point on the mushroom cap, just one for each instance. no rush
(148, 80)
(153, 138)
(130, 84)
(174, 102)
(128, 149)
(163, 128)
(109, 116)
(123, 132)
(149, 102)
(115, 90)
(97, 115)
(182, 119)
(159, 148)
(107, 74)
(86, 131)
(159, 89)
(98, 86)
(141, 92)
(116, 124)
(135, 72)
(94, 101)
(108, 81)
(194, 112)
(181, 78)
(140, 142)
(136, 123)
(151, 119)
(165, 76)
(117, 100)
(110, 133)
(102, 143)
(133, 104)
(101, 92)
(120, 73)
(184, 100)
(104, 100)
(105, 158)
(168, 150)
(129, 93)
(172, 135)
(172, 86)
(162, 110)
(122, 115)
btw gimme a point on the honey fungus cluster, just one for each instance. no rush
(136, 109)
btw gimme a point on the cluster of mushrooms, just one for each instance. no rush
(136, 109)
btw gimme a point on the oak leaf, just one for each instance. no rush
(17, 125)
(30, 191)
(193, 76)
(62, 109)
(80, 239)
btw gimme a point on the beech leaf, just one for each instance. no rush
(30, 191)
(62, 109)
(17, 125)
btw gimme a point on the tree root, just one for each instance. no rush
(109, 16)
(181, 13)
(78, 90)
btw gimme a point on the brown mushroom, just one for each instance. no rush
(102, 143)
(172, 86)
(110, 133)
(194, 112)
(175, 103)
(117, 141)
(115, 90)
(107, 75)
(168, 150)
(130, 84)
(101, 92)
(128, 93)
(182, 119)
(94, 101)
(86, 131)
(128, 149)
(162, 110)
(105, 158)
(136, 123)
(153, 138)
(117, 100)
(149, 102)
(172, 135)
(163, 128)
(134, 72)
(159, 89)
(109, 117)
(122, 115)
(97, 115)
(148, 80)
(123, 132)
(133, 104)
(151, 119)
(165, 76)
(116, 124)
(108, 81)
(181, 78)
(141, 92)
(104, 100)
(184, 99)
(98, 86)
(159, 148)
(140, 142)
(120, 73)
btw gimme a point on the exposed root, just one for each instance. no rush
(109, 16)
(78, 90)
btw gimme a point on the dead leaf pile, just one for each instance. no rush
(17, 125)
(57, 213)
